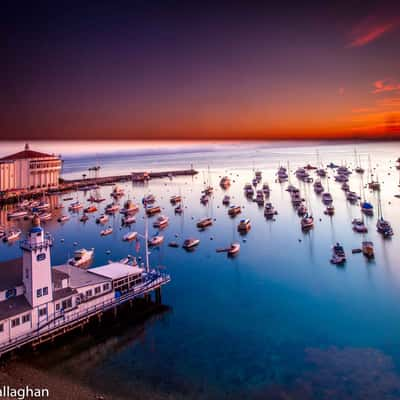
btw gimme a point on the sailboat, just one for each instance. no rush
(366, 207)
(358, 167)
(374, 185)
(383, 226)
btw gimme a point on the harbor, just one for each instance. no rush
(281, 274)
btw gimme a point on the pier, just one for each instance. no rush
(66, 185)
(57, 325)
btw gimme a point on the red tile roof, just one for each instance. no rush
(25, 154)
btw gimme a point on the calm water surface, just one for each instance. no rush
(279, 319)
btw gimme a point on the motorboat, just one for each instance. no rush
(149, 199)
(75, 206)
(190, 243)
(155, 240)
(84, 218)
(225, 182)
(359, 226)
(384, 227)
(204, 222)
(63, 218)
(244, 225)
(175, 199)
(81, 257)
(43, 205)
(178, 209)
(269, 210)
(307, 222)
(282, 174)
(102, 219)
(90, 209)
(153, 209)
(12, 235)
(234, 249)
(338, 254)
(45, 216)
(161, 222)
(17, 214)
(129, 236)
(204, 199)
(111, 208)
(234, 210)
(107, 231)
(332, 165)
(128, 220)
(117, 191)
(129, 208)
(368, 249)
(296, 199)
(226, 200)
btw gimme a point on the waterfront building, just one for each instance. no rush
(29, 170)
(38, 300)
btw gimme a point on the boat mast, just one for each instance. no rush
(146, 237)
(380, 216)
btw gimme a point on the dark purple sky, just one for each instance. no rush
(180, 69)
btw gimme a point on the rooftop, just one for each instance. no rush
(79, 277)
(14, 306)
(10, 274)
(26, 154)
(115, 270)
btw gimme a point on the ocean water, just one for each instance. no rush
(278, 320)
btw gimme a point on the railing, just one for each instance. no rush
(59, 321)
(27, 245)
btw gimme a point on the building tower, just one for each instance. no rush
(36, 264)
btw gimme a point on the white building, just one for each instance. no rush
(29, 170)
(37, 299)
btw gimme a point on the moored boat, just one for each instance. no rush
(129, 236)
(204, 222)
(81, 257)
(338, 256)
(190, 243)
(244, 225)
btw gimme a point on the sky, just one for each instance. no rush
(181, 70)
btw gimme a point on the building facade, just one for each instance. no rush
(29, 170)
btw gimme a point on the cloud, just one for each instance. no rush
(389, 102)
(385, 85)
(371, 29)
(363, 110)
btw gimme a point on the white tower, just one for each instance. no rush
(36, 266)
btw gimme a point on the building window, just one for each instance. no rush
(106, 286)
(14, 322)
(42, 312)
(67, 303)
(39, 293)
(58, 307)
(26, 318)
(88, 293)
(1, 328)
(45, 291)
(26, 273)
(97, 290)
(11, 293)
